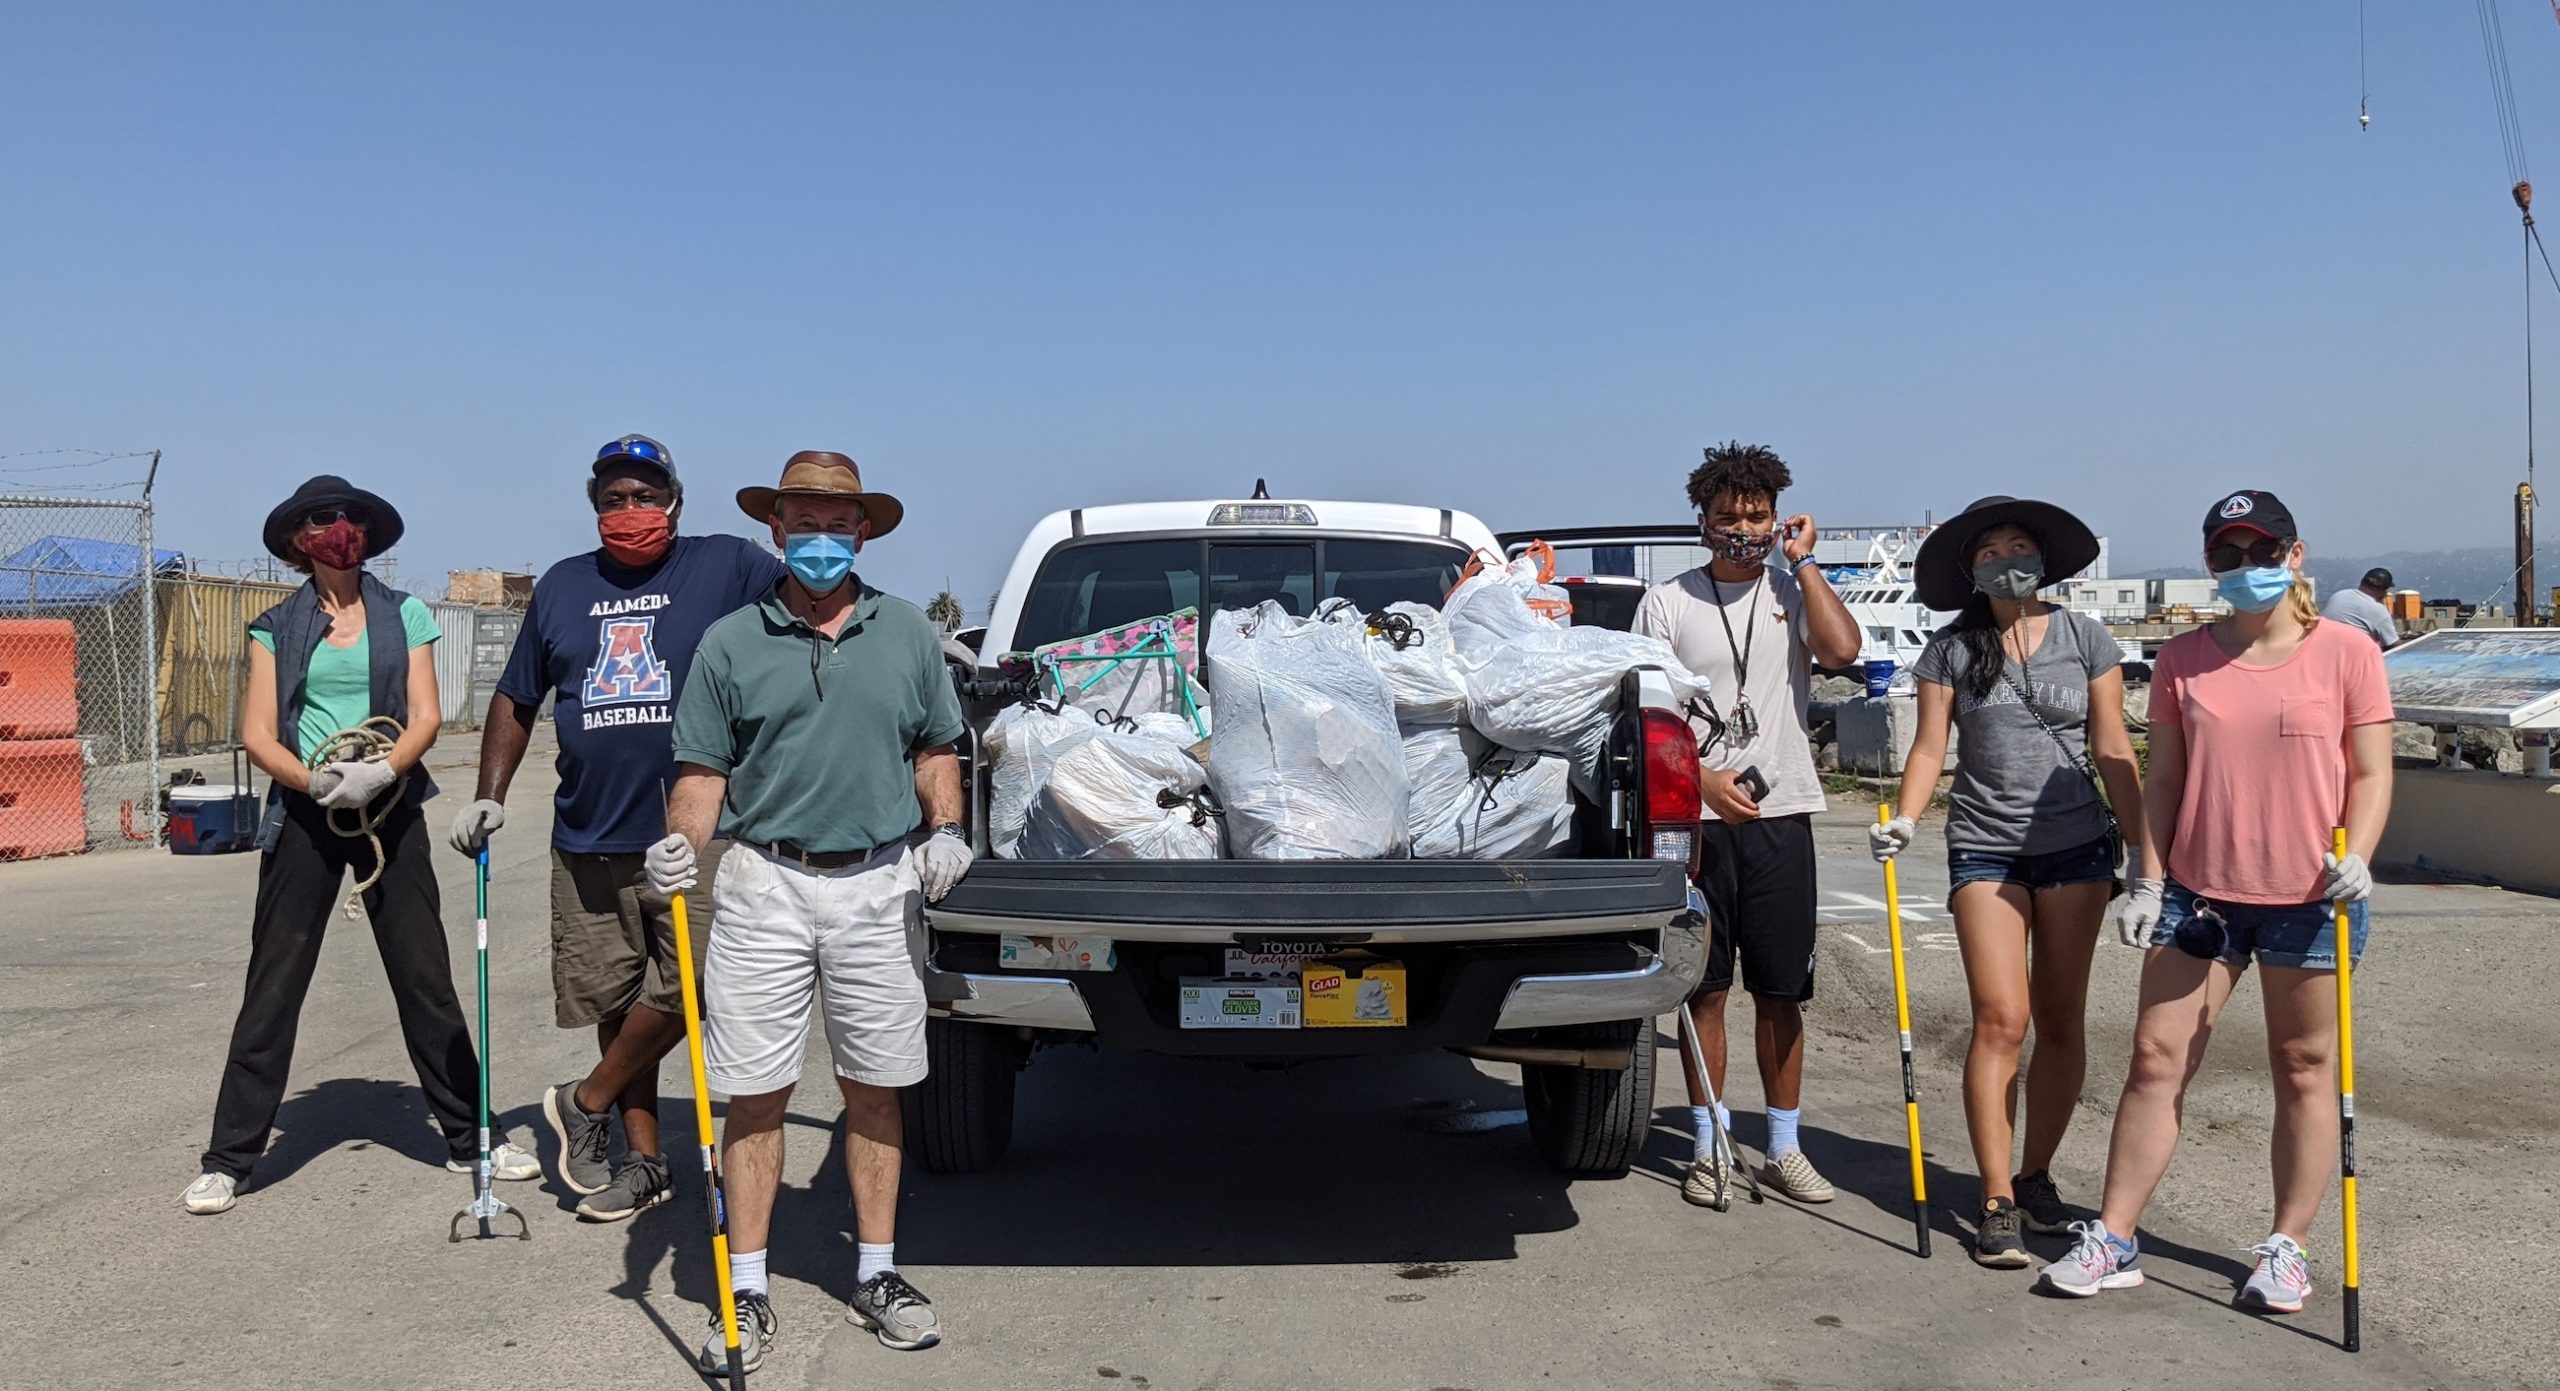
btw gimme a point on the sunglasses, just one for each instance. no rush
(634, 447)
(2265, 551)
(323, 517)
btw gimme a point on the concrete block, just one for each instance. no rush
(1875, 734)
(2472, 824)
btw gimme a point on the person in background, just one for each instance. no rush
(2367, 607)
(2036, 692)
(819, 726)
(2268, 727)
(340, 651)
(609, 638)
(1754, 630)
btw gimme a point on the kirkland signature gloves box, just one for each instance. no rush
(1214, 1002)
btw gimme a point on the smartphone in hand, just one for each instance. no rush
(1751, 782)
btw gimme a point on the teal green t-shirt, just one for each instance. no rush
(338, 692)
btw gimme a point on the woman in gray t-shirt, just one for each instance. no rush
(2036, 695)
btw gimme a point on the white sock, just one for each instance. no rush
(1702, 1124)
(870, 1260)
(1782, 1130)
(746, 1272)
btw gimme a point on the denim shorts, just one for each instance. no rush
(2080, 864)
(2300, 935)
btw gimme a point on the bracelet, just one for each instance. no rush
(1798, 567)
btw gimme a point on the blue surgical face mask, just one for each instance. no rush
(820, 558)
(2254, 588)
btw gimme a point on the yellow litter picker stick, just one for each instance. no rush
(1902, 1022)
(714, 1205)
(2354, 1338)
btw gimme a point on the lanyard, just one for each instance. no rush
(1745, 725)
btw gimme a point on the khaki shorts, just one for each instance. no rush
(794, 941)
(613, 940)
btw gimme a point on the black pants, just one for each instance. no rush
(301, 886)
(1757, 878)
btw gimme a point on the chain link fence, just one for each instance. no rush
(80, 736)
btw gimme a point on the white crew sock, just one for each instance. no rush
(1782, 1130)
(1702, 1123)
(746, 1272)
(870, 1260)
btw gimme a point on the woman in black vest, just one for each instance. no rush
(344, 649)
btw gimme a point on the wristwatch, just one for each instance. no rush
(953, 829)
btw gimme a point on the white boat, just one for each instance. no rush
(1893, 624)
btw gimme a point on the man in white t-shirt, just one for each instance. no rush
(1755, 630)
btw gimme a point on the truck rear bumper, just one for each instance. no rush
(1475, 991)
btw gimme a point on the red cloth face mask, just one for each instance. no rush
(340, 546)
(636, 536)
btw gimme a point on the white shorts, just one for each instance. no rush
(783, 936)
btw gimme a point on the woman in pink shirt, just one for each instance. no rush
(2267, 728)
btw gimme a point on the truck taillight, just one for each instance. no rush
(1671, 799)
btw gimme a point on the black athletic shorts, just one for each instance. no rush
(1757, 878)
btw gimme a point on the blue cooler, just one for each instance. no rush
(212, 818)
(1880, 678)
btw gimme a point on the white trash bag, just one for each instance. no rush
(1124, 794)
(1409, 644)
(1021, 746)
(1539, 688)
(1475, 801)
(1307, 760)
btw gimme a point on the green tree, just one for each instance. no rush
(946, 612)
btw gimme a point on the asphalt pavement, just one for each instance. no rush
(1164, 1223)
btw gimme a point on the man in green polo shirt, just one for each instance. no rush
(816, 732)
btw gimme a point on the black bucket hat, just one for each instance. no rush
(383, 526)
(1943, 572)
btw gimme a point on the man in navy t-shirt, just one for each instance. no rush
(609, 638)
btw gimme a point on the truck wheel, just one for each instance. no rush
(960, 1117)
(1588, 1120)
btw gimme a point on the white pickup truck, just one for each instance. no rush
(1559, 965)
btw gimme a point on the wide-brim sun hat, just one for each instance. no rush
(1943, 571)
(383, 527)
(824, 473)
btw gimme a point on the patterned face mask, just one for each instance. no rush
(1739, 547)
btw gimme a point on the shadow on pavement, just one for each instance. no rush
(356, 1113)
(1123, 1159)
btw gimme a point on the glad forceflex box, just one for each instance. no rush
(1354, 992)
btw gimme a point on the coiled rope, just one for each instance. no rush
(369, 742)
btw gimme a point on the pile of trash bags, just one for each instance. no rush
(1456, 732)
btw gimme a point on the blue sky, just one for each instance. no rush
(1522, 260)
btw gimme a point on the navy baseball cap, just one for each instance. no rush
(2251, 510)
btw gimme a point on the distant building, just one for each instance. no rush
(489, 589)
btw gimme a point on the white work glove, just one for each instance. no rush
(939, 863)
(2140, 913)
(2348, 879)
(1891, 838)
(350, 785)
(670, 863)
(472, 827)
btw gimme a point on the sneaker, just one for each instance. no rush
(583, 1136)
(2282, 1280)
(756, 1327)
(210, 1193)
(508, 1163)
(638, 1186)
(1794, 1176)
(1996, 1242)
(2098, 1261)
(2041, 1204)
(897, 1311)
(1706, 1184)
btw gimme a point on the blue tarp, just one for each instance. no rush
(71, 572)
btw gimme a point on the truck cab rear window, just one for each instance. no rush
(1086, 587)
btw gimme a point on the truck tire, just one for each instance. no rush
(960, 1117)
(1589, 1120)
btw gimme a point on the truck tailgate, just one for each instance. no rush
(1375, 900)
